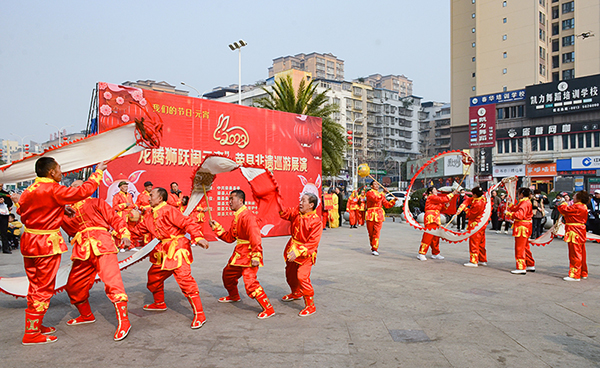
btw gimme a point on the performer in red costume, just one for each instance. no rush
(375, 215)
(173, 255)
(362, 208)
(433, 206)
(247, 256)
(143, 200)
(174, 195)
(352, 207)
(475, 206)
(300, 252)
(41, 207)
(123, 201)
(94, 252)
(521, 213)
(576, 216)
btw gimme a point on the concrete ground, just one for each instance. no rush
(386, 311)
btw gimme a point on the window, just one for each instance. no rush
(568, 24)
(504, 71)
(504, 37)
(596, 139)
(500, 114)
(504, 4)
(542, 143)
(568, 57)
(568, 7)
(472, 1)
(568, 40)
(588, 140)
(555, 61)
(503, 20)
(542, 53)
(542, 18)
(472, 30)
(573, 139)
(555, 45)
(555, 13)
(565, 142)
(550, 143)
(504, 54)
(473, 88)
(473, 59)
(555, 29)
(543, 2)
(542, 35)
(500, 146)
(507, 146)
(568, 74)
(514, 145)
(580, 138)
(473, 15)
(555, 77)
(504, 88)
(543, 69)
(473, 44)
(473, 75)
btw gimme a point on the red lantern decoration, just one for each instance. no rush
(316, 149)
(304, 134)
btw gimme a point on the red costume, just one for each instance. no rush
(199, 213)
(375, 215)
(522, 213)
(123, 204)
(94, 252)
(244, 229)
(474, 212)
(352, 206)
(172, 256)
(362, 208)
(433, 206)
(143, 201)
(41, 207)
(576, 216)
(174, 199)
(306, 235)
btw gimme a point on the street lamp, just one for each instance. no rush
(198, 92)
(238, 46)
(59, 131)
(22, 139)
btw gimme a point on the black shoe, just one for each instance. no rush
(7, 251)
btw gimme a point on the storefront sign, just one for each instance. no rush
(579, 183)
(586, 162)
(498, 98)
(483, 160)
(542, 130)
(453, 165)
(563, 97)
(508, 170)
(482, 126)
(536, 170)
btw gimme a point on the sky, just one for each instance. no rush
(52, 53)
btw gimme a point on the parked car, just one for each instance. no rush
(401, 195)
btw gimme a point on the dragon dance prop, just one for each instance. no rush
(446, 234)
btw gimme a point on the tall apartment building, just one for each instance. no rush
(321, 66)
(507, 45)
(396, 83)
(434, 128)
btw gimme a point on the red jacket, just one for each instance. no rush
(521, 213)
(474, 212)
(306, 235)
(90, 228)
(143, 201)
(123, 203)
(433, 207)
(174, 199)
(167, 224)
(42, 207)
(576, 216)
(375, 201)
(245, 230)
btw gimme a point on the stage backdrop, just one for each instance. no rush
(289, 145)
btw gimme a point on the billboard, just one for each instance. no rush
(482, 126)
(544, 130)
(499, 97)
(563, 97)
(288, 145)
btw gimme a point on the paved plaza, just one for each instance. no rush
(386, 311)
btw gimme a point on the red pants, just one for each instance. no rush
(361, 217)
(298, 278)
(183, 276)
(354, 216)
(41, 273)
(374, 228)
(577, 261)
(477, 247)
(430, 240)
(83, 275)
(325, 218)
(231, 275)
(523, 254)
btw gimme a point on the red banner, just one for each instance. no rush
(482, 126)
(287, 144)
(327, 202)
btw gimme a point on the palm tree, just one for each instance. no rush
(306, 101)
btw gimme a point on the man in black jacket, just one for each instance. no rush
(4, 199)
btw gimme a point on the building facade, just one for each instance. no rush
(499, 46)
(321, 66)
(434, 128)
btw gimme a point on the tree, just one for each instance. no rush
(305, 101)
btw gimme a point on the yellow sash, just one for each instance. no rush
(54, 239)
